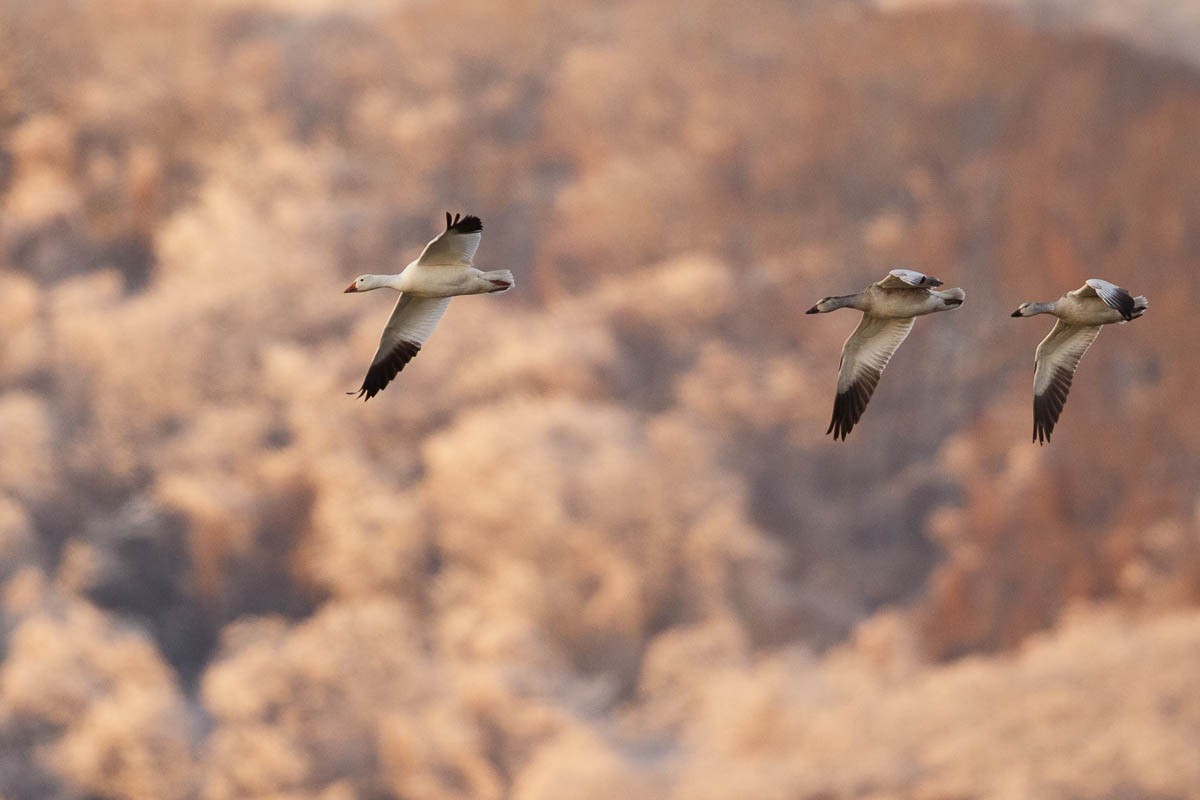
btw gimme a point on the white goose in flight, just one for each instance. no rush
(1080, 314)
(442, 271)
(888, 309)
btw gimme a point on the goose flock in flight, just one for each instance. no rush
(445, 270)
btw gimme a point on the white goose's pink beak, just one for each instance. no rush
(351, 288)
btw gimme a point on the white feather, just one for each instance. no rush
(450, 249)
(869, 349)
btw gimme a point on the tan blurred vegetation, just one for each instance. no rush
(592, 542)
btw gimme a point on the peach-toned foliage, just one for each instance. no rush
(591, 543)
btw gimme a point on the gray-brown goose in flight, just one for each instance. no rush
(1080, 314)
(442, 271)
(888, 307)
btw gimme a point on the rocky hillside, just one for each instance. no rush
(1168, 27)
(593, 536)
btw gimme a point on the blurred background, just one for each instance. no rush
(592, 542)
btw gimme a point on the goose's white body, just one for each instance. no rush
(442, 271)
(1080, 315)
(888, 307)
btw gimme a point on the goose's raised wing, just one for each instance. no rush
(908, 279)
(1113, 296)
(864, 355)
(1055, 362)
(455, 246)
(412, 321)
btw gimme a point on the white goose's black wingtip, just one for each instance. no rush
(386, 368)
(460, 224)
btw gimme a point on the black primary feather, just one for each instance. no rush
(848, 406)
(386, 368)
(1048, 406)
(460, 224)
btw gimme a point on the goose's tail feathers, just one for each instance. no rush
(1140, 304)
(953, 298)
(500, 279)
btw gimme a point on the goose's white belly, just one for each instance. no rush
(423, 281)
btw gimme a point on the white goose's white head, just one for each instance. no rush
(364, 283)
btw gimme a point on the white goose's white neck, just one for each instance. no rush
(384, 282)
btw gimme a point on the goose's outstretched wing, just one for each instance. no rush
(1113, 296)
(908, 279)
(455, 246)
(864, 355)
(412, 321)
(1054, 366)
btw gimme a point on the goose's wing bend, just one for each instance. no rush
(455, 246)
(1113, 296)
(908, 279)
(864, 355)
(412, 321)
(1054, 366)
